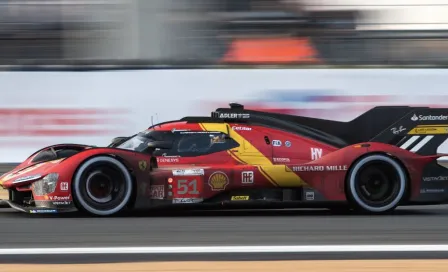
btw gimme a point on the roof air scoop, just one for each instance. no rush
(236, 106)
(235, 112)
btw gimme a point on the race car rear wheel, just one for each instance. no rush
(102, 186)
(376, 184)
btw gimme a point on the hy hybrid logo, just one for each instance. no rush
(429, 117)
(316, 153)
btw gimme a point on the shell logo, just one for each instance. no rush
(218, 181)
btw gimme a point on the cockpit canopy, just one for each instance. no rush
(178, 143)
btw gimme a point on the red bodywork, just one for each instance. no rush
(288, 161)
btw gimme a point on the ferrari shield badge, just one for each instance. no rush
(142, 165)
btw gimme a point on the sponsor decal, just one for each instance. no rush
(432, 191)
(157, 191)
(188, 172)
(429, 117)
(240, 198)
(397, 130)
(59, 198)
(241, 128)
(64, 186)
(61, 203)
(174, 130)
(187, 200)
(319, 168)
(429, 130)
(142, 165)
(288, 144)
(218, 181)
(247, 177)
(309, 196)
(188, 187)
(228, 115)
(336, 168)
(200, 132)
(439, 178)
(316, 153)
(282, 160)
(43, 211)
(276, 143)
(167, 159)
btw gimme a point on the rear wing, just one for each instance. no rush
(421, 130)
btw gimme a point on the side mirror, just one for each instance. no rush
(117, 141)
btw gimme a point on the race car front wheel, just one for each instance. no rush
(102, 186)
(376, 184)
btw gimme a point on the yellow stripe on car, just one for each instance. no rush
(278, 175)
(427, 129)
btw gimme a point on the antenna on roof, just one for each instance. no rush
(152, 121)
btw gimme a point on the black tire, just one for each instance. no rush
(376, 184)
(102, 186)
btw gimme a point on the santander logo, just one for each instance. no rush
(429, 117)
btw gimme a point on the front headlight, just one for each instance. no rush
(47, 185)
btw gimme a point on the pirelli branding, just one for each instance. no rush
(319, 168)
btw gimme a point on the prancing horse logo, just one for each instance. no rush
(142, 165)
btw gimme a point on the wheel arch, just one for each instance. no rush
(407, 195)
(121, 160)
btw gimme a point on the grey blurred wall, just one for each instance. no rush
(144, 29)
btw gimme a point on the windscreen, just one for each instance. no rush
(145, 140)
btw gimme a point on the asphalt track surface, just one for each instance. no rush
(410, 225)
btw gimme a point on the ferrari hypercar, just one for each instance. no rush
(236, 157)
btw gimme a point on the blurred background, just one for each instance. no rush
(39, 109)
(224, 31)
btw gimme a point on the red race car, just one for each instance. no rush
(243, 158)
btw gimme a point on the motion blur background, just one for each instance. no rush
(206, 32)
(38, 109)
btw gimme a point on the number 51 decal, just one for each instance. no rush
(188, 188)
